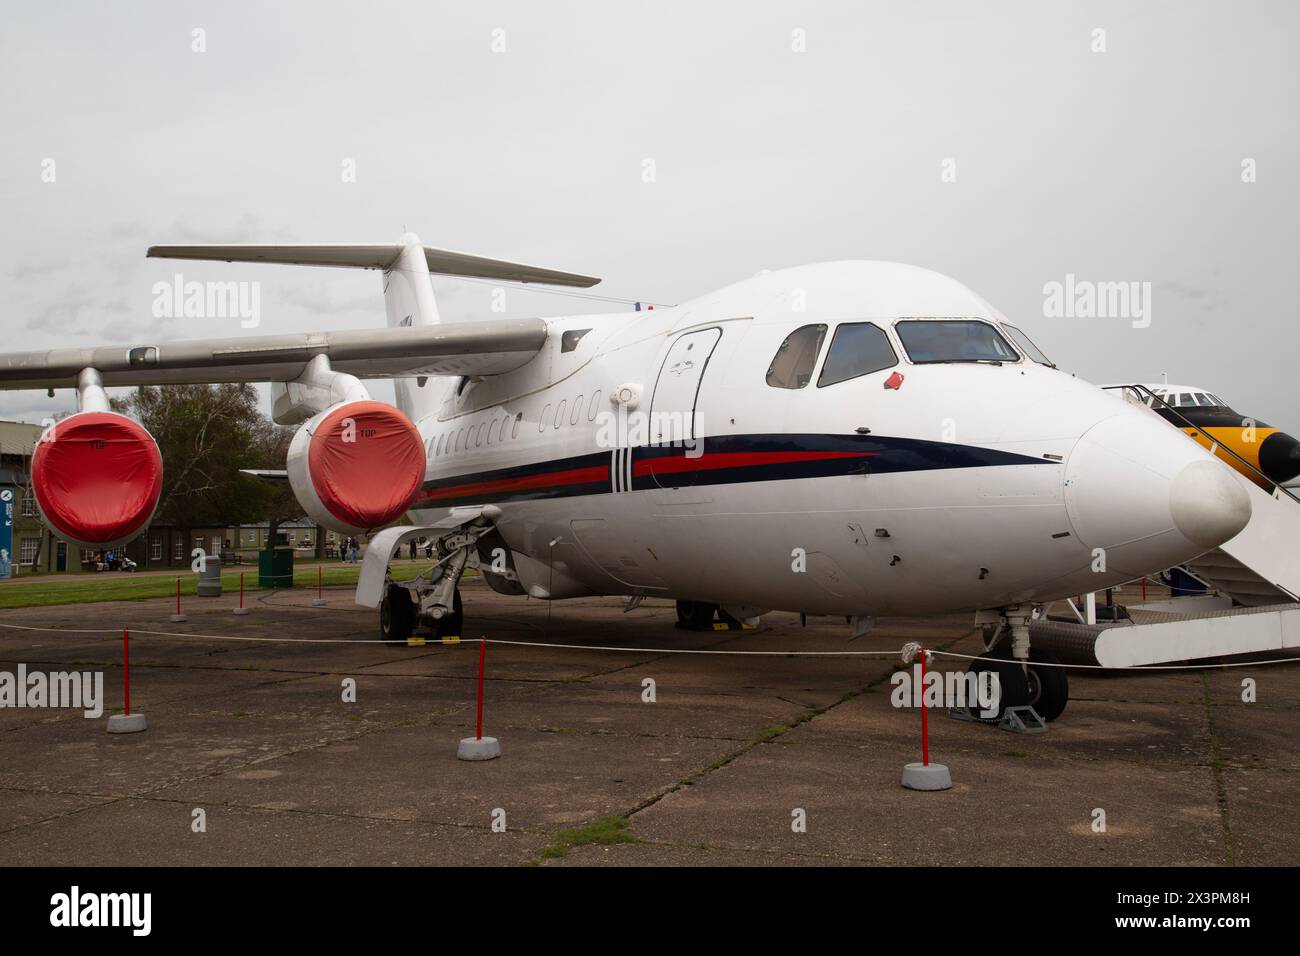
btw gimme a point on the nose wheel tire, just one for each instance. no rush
(396, 614)
(696, 615)
(1048, 687)
(1012, 685)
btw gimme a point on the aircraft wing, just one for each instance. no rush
(462, 348)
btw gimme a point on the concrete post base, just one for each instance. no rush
(127, 723)
(241, 610)
(476, 748)
(178, 618)
(919, 776)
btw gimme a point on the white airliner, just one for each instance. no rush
(849, 438)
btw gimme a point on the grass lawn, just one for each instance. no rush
(85, 589)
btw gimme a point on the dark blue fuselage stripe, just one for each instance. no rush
(864, 454)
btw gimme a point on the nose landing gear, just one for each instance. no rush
(1034, 688)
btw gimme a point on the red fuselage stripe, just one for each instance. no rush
(575, 476)
(738, 459)
(648, 466)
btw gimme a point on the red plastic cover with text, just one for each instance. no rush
(97, 477)
(367, 462)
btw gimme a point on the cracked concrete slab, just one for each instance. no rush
(259, 736)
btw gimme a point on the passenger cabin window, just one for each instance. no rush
(858, 348)
(953, 340)
(1028, 347)
(795, 359)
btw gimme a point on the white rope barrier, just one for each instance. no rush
(905, 654)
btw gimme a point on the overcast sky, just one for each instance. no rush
(1122, 165)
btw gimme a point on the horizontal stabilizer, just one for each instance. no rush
(375, 255)
(267, 474)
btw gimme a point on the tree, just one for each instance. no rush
(206, 434)
(271, 448)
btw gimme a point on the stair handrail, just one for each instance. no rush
(1215, 446)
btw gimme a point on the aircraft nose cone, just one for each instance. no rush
(1279, 457)
(1146, 497)
(1208, 503)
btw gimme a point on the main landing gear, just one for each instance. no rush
(1026, 676)
(432, 598)
(700, 616)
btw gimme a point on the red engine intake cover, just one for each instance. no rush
(367, 463)
(97, 480)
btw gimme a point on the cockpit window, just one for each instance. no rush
(792, 367)
(953, 340)
(859, 348)
(1028, 347)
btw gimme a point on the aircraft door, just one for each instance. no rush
(673, 415)
(672, 410)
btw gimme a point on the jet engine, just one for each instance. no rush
(356, 466)
(96, 477)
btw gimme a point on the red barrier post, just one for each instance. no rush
(320, 595)
(126, 672)
(241, 609)
(482, 656)
(126, 722)
(178, 617)
(479, 747)
(925, 722)
(925, 775)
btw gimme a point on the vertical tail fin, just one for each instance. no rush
(409, 301)
(408, 290)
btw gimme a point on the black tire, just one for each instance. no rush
(696, 615)
(1049, 687)
(449, 625)
(1011, 682)
(396, 614)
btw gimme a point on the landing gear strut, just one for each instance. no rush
(432, 597)
(1027, 676)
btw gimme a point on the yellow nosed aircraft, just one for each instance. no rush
(1267, 450)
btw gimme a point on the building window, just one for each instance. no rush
(29, 547)
(29, 505)
(178, 553)
(155, 549)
